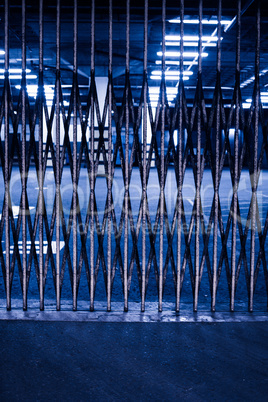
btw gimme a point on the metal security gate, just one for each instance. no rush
(118, 183)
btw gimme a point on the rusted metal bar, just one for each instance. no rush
(198, 162)
(109, 189)
(126, 199)
(144, 154)
(217, 163)
(180, 167)
(162, 162)
(255, 157)
(75, 181)
(92, 178)
(40, 155)
(6, 174)
(58, 212)
(236, 155)
(23, 151)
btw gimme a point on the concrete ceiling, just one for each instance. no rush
(248, 44)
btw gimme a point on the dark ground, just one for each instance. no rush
(72, 361)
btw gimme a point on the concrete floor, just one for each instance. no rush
(86, 361)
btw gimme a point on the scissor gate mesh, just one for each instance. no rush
(103, 203)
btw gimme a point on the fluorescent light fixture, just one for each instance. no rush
(171, 72)
(205, 21)
(35, 87)
(65, 103)
(156, 97)
(264, 99)
(246, 105)
(191, 44)
(168, 77)
(19, 77)
(169, 90)
(185, 44)
(190, 38)
(176, 62)
(154, 104)
(228, 26)
(185, 54)
(15, 70)
(2, 52)
(32, 91)
(247, 82)
(251, 79)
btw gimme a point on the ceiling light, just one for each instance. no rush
(168, 77)
(19, 77)
(15, 70)
(169, 91)
(185, 54)
(156, 97)
(264, 99)
(176, 62)
(35, 87)
(2, 52)
(171, 72)
(191, 44)
(251, 79)
(155, 103)
(65, 103)
(247, 82)
(32, 91)
(196, 21)
(191, 38)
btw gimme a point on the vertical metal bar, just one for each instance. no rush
(109, 248)
(162, 162)
(23, 134)
(217, 162)
(198, 162)
(236, 153)
(144, 184)
(6, 176)
(92, 157)
(58, 156)
(40, 152)
(180, 176)
(75, 163)
(255, 158)
(126, 161)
